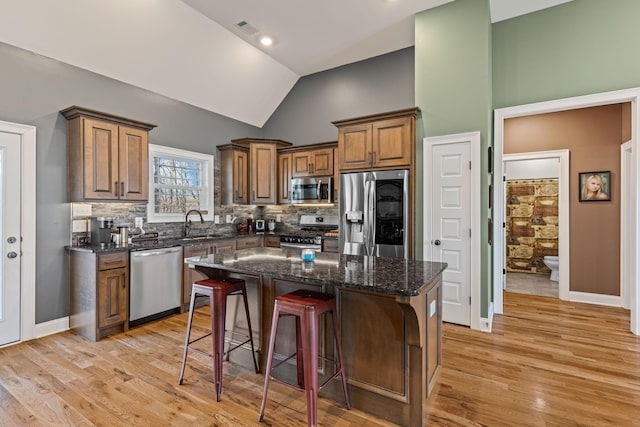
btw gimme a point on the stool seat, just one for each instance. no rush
(307, 306)
(217, 290)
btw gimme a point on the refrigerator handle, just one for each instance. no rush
(372, 216)
(365, 238)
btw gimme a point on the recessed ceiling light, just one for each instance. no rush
(266, 40)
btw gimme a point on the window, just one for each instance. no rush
(179, 181)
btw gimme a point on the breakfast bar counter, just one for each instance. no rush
(390, 314)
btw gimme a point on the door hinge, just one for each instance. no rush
(504, 271)
(504, 225)
(469, 232)
(469, 299)
(504, 178)
(469, 164)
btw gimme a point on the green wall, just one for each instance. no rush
(577, 48)
(453, 89)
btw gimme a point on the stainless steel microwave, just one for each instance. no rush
(312, 190)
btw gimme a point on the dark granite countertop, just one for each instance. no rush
(389, 276)
(165, 242)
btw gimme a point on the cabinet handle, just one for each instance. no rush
(253, 196)
(122, 189)
(115, 184)
(236, 194)
(311, 167)
(373, 157)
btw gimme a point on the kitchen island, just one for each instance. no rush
(390, 314)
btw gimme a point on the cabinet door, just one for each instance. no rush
(240, 177)
(272, 241)
(263, 174)
(100, 143)
(112, 297)
(133, 164)
(301, 164)
(322, 162)
(189, 276)
(225, 246)
(249, 242)
(354, 146)
(392, 142)
(284, 178)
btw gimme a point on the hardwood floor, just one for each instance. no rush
(547, 362)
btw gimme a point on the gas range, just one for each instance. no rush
(311, 231)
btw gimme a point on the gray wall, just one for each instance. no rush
(34, 88)
(380, 84)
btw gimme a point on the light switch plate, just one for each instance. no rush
(228, 219)
(216, 219)
(139, 222)
(278, 218)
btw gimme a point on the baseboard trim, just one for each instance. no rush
(600, 299)
(486, 323)
(51, 327)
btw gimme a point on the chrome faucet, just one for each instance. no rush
(187, 221)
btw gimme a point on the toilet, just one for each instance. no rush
(553, 263)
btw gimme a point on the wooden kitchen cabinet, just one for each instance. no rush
(99, 293)
(259, 170)
(234, 161)
(382, 141)
(271, 241)
(249, 242)
(312, 163)
(108, 156)
(284, 178)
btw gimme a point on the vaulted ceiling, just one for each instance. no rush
(194, 51)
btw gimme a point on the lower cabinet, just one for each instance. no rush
(271, 241)
(249, 242)
(99, 288)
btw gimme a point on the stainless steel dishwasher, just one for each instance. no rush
(155, 284)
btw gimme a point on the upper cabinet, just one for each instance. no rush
(249, 171)
(381, 141)
(108, 156)
(316, 162)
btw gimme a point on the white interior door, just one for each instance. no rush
(10, 282)
(451, 227)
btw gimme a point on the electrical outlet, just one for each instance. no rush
(139, 222)
(81, 209)
(216, 219)
(278, 218)
(228, 219)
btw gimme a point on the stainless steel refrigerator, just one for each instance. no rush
(374, 213)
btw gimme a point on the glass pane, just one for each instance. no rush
(177, 172)
(176, 200)
(389, 216)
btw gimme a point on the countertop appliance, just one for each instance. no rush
(374, 213)
(101, 230)
(155, 284)
(310, 234)
(312, 190)
(259, 225)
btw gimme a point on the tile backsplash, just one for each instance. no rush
(124, 214)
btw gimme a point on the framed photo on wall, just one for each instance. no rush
(595, 186)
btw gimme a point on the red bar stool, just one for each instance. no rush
(217, 290)
(307, 306)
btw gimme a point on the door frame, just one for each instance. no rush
(563, 212)
(27, 227)
(500, 115)
(627, 213)
(473, 138)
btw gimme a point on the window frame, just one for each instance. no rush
(207, 159)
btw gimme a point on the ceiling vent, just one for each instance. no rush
(246, 28)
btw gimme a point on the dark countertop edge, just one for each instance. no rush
(166, 242)
(395, 292)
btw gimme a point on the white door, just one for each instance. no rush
(10, 177)
(451, 227)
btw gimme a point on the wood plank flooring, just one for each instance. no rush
(547, 363)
